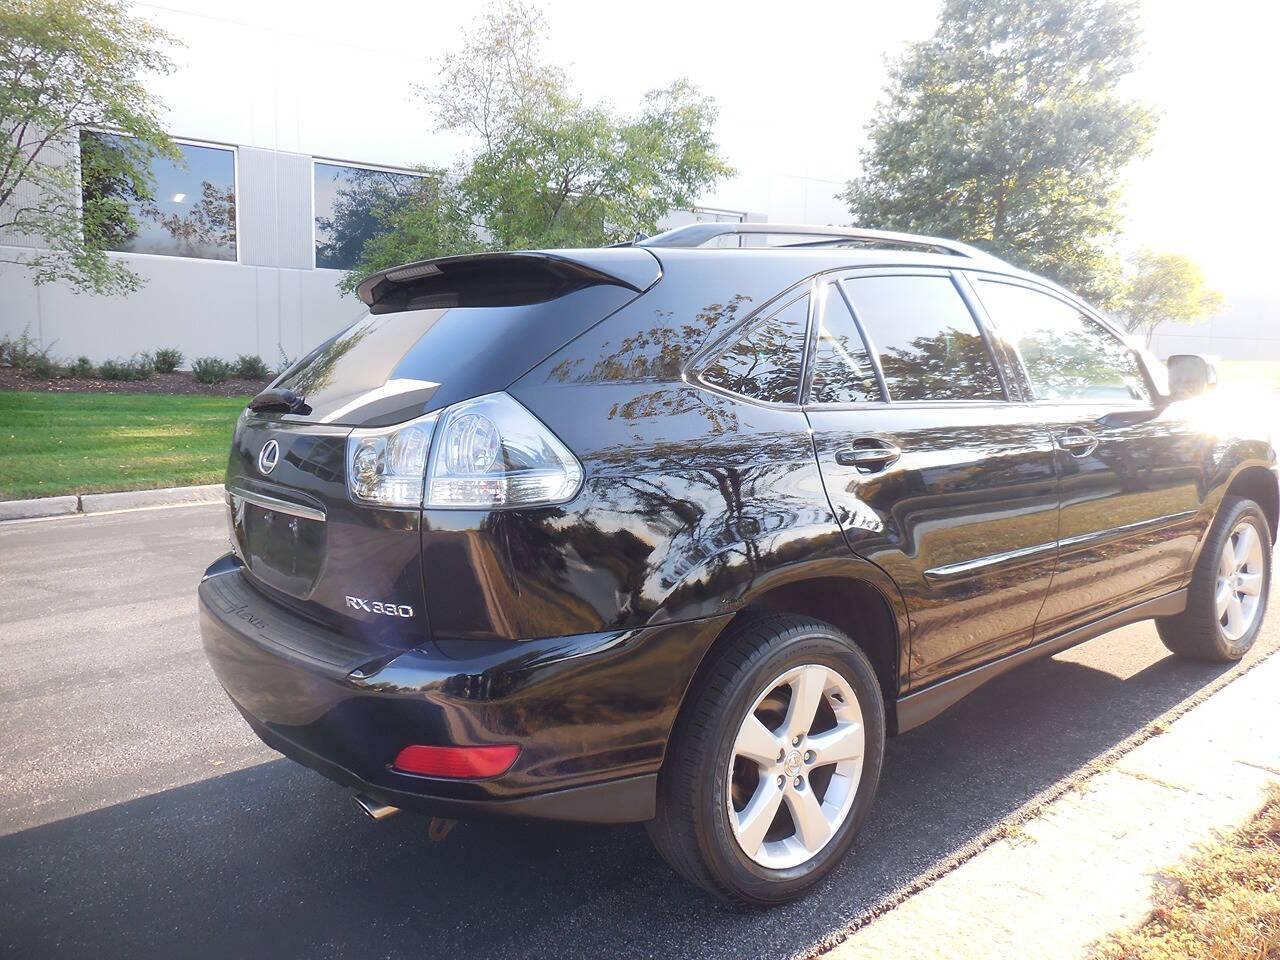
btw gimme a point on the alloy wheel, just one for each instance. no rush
(795, 766)
(1238, 594)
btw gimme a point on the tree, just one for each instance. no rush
(381, 223)
(1006, 130)
(549, 168)
(1165, 286)
(65, 64)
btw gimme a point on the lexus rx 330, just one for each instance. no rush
(678, 532)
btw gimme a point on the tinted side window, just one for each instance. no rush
(842, 371)
(765, 363)
(928, 343)
(1068, 355)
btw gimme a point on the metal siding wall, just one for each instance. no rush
(274, 199)
(25, 195)
(293, 199)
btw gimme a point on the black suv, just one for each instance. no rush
(679, 531)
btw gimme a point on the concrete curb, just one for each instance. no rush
(103, 502)
(98, 502)
(43, 507)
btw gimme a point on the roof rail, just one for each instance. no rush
(697, 234)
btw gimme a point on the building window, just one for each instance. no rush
(352, 206)
(180, 209)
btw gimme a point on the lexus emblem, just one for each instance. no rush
(268, 457)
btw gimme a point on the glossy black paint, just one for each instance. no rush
(576, 630)
(585, 709)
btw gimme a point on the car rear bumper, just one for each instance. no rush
(591, 713)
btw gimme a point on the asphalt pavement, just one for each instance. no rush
(139, 817)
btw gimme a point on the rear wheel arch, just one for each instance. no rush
(864, 605)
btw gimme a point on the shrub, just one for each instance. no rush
(168, 359)
(251, 367)
(82, 369)
(284, 364)
(28, 356)
(43, 366)
(210, 369)
(138, 367)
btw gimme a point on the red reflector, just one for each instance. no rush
(457, 763)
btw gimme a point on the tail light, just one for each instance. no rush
(482, 454)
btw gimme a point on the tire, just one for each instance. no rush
(1204, 631)
(707, 784)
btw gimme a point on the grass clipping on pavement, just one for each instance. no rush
(1223, 904)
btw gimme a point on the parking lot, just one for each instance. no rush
(139, 816)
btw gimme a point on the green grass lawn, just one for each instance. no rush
(55, 443)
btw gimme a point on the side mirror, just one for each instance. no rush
(1190, 375)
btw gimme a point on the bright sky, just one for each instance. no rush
(796, 84)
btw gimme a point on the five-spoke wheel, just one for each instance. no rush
(1240, 576)
(795, 766)
(774, 763)
(1227, 597)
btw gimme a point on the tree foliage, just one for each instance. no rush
(1006, 130)
(1165, 286)
(67, 64)
(378, 223)
(549, 168)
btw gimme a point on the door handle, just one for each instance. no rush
(1078, 442)
(874, 455)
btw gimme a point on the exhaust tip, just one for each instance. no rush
(374, 809)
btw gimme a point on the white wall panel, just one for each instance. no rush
(323, 310)
(203, 307)
(19, 301)
(273, 196)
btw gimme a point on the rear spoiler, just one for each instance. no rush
(502, 279)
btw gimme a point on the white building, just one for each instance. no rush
(279, 122)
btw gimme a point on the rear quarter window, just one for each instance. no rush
(765, 363)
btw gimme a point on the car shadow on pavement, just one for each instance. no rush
(275, 861)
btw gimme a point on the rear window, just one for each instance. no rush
(765, 363)
(389, 365)
(928, 343)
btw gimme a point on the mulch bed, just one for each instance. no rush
(178, 382)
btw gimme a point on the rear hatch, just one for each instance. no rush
(436, 333)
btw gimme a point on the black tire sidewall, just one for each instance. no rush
(812, 644)
(1206, 587)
